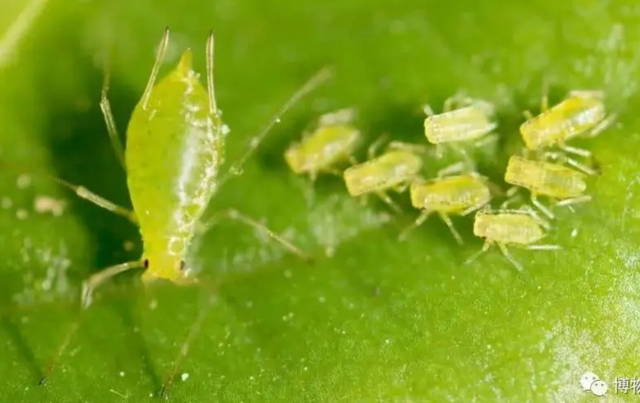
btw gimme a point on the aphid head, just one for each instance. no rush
(167, 267)
(293, 159)
(416, 190)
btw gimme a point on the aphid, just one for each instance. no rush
(582, 113)
(175, 148)
(464, 120)
(398, 166)
(332, 142)
(459, 195)
(522, 228)
(547, 179)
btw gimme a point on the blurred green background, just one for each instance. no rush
(374, 320)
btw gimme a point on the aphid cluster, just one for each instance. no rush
(176, 147)
(547, 167)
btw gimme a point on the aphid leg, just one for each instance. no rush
(574, 200)
(543, 247)
(213, 108)
(602, 126)
(475, 256)
(513, 195)
(544, 102)
(486, 140)
(574, 150)
(99, 201)
(87, 290)
(471, 165)
(458, 100)
(109, 120)
(100, 277)
(527, 115)
(242, 218)
(414, 148)
(494, 189)
(385, 198)
(364, 199)
(59, 352)
(447, 220)
(254, 142)
(544, 209)
(418, 222)
(426, 108)
(184, 348)
(582, 167)
(162, 50)
(531, 212)
(564, 159)
(449, 104)
(505, 252)
(313, 176)
(474, 208)
(454, 168)
(401, 188)
(341, 116)
(337, 172)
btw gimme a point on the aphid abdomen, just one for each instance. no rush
(508, 228)
(463, 124)
(174, 151)
(450, 195)
(545, 178)
(385, 172)
(586, 114)
(562, 182)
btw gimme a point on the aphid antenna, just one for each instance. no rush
(107, 113)
(162, 50)
(320, 77)
(213, 107)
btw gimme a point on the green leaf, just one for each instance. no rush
(373, 320)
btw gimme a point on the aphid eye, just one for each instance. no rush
(146, 263)
(182, 265)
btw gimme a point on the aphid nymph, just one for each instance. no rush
(459, 195)
(547, 179)
(464, 120)
(329, 144)
(521, 228)
(582, 113)
(395, 169)
(175, 149)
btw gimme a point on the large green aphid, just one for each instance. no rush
(175, 149)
